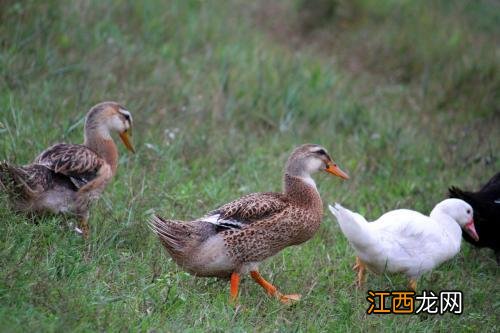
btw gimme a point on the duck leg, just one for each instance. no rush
(272, 291)
(235, 283)
(360, 268)
(83, 225)
(412, 284)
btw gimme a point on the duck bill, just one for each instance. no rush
(126, 141)
(335, 170)
(471, 230)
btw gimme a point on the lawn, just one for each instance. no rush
(405, 95)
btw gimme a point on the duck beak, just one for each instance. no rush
(335, 170)
(126, 140)
(471, 230)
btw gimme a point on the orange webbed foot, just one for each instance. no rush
(83, 228)
(272, 291)
(412, 284)
(360, 268)
(289, 299)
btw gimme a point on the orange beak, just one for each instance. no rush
(126, 140)
(335, 170)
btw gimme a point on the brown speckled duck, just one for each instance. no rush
(233, 239)
(66, 178)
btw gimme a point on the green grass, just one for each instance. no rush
(417, 113)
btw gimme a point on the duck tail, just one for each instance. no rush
(353, 226)
(169, 233)
(178, 237)
(15, 180)
(455, 192)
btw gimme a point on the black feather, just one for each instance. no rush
(486, 206)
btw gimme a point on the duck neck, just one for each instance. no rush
(302, 190)
(449, 226)
(102, 143)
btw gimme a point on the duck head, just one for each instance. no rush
(461, 212)
(107, 117)
(310, 158)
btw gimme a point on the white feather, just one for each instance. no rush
(126, 113)
(215, 219)
(401, 240)
(308, 180)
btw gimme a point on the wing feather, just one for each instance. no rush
(77, 162)
(245, 210)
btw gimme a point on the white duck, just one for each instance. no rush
(405, 241)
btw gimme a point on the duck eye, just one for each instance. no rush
(321, 152)
(468, 211)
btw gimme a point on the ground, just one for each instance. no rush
(403, 94)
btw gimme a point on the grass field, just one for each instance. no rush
(404, 94)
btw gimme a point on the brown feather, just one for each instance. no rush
(66, 178)
(70, 160)
(250, 229)
(252, 207)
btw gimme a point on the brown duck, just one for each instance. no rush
(233, 239)
(66, 178)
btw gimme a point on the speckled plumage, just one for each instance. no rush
(77, 162)
(273, 221)
(237, 236)
(66, 178)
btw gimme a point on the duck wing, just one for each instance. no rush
(78, 163)
(406, 237)
(403, 226)
(244, 211)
